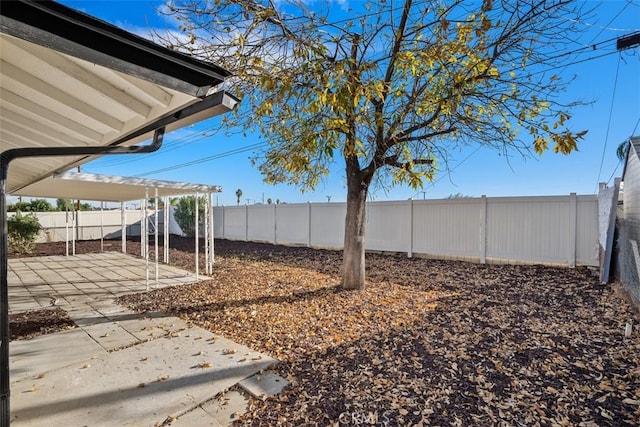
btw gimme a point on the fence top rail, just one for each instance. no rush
(460, 200)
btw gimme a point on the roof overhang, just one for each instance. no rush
(65, 30)
(70, 80)
(107, 188)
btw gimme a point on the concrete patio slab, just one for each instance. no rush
(118, 367)
(141, 385)
(221, 411)
(86, 277)
(263, 386)
(46, 353)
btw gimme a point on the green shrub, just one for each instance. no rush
(23, 232)
(185, 213)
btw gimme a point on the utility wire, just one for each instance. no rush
(259, 145)
(204, 159)
(611, 21)
(635, 127)
(606, 138)
(170, 145)
(198, 136)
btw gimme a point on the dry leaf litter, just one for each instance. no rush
(426, 343)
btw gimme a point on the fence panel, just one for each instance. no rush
(327, 225)
(389, 226)
(556, 229)
(261, 222)
(449, 228)
(55, 224)
(587, 251)
(218, 221)
(529, 229)
(235, 222)
(292, 224)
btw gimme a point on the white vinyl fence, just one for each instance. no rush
(91, 224)
(560, 230)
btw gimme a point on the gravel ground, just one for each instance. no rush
(426, 343)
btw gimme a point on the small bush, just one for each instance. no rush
(185, 213)
(23, 232)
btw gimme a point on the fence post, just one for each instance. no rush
(309, 223)
(275, 224)
(223, 224)
(483, 229)
(246, 223)
(410, 253)
(573, 223)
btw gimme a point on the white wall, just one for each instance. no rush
(551, 230)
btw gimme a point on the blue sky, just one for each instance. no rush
(611, 82)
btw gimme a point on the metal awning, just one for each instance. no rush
(68, 79)
(71, 84)
(108, 188)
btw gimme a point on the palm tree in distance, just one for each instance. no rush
(238, 195)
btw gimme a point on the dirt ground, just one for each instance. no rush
(426, 343)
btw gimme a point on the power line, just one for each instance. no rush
(573, 63)
(635, 127)
(606, 138)
(170, 145)
(198, 136)
(633, 132)
(204, 159)
(611, 21)
(250, 147)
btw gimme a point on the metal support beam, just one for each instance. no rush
(144, 234)
(123, 227)
(166, 229)
(197, 248)
(155, 250)
(5, 158)
(211, 234)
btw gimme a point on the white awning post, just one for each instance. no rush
(156, 235)
(123, 232)
(211, 234)
(142, 227)
(66, 232)
(146, 239)
(101, 226)
(166, 229)
(206, 234)
(196, 239)
(74, 229)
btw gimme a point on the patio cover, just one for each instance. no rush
(70, 80)
(108, 188)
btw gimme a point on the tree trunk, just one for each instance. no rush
(353, 265)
